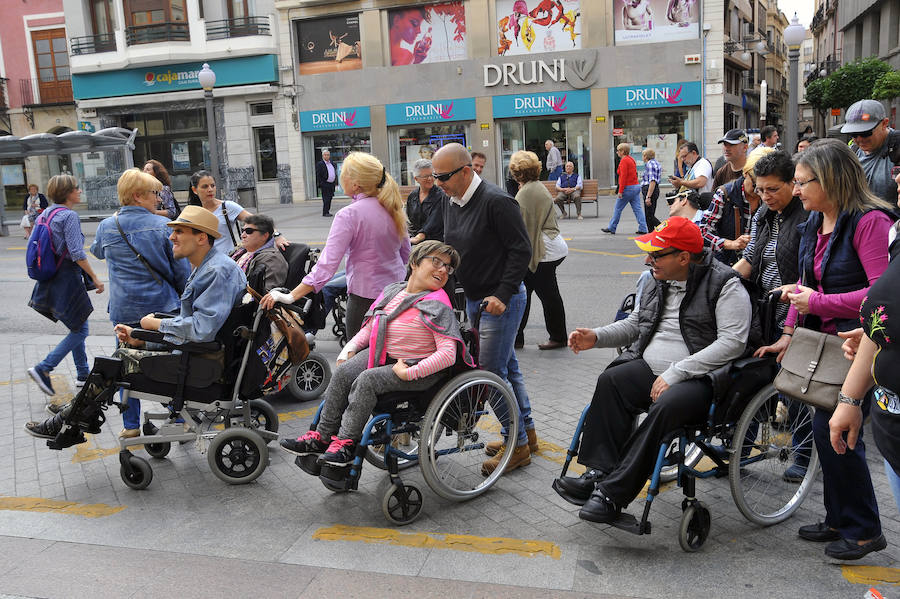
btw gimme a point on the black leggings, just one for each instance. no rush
(357, 307)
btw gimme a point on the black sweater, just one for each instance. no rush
(490, 236)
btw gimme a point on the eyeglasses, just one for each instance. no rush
(439, 264)
(154, 192)
(249, 230)
(425, 177)
(444, 177)
(654, 256)
(769, 191)
(802, 184)
(863, 134)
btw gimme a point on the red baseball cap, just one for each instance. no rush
(675, 232)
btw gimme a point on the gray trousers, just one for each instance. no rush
(353, 392)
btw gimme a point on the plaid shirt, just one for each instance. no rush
(652, 172)
(713, 214)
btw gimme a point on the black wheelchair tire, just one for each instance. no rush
(238, 455)
(158, 450)
(141, 476)
(694, 528)
(309, 379)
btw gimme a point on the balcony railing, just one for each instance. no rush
(4, 105)
(157, 32)
(240, 27)
(57, 91)
(93, 44)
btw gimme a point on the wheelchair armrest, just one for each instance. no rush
(752, 362)
(164, 315)
(145, 335)
(190, 347)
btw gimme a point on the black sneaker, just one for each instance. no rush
(599, 508)
(339, 453)
(48, 429)
(607, 230)
(311, 443)
(55, 408)
(577, 488)
(42, 379)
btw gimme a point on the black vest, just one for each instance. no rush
(787, 244)
(697, 314)
(734, 197)
(568, 180)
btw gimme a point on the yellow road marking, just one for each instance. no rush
(14, 382)
(632, 272)
(297, 414)
(38, 504)
(871, 575)
(83, 453)
(607, 253)
(428, 540)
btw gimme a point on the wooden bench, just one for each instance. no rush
(405, 190)
(590, 193)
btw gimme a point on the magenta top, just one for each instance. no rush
(868, 241)
(376, 256)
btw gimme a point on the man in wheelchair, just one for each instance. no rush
(213, 288)
(690, 324)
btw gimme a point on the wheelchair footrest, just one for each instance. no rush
(309, 464)
(337, 478)
(629, 523)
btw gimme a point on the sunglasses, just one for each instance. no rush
(444, 177)
(249, 230)
(863, 134)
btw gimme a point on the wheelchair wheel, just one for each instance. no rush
(692, 456)
(238, 455)
(262, 415)
(141, 476)
(765, 433)
(158, 450)
(309, 379)
(695, 525)
(408, 443)
(451, 451)
(400, 504)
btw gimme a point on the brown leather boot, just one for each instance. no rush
(521, 456)
(533, 444)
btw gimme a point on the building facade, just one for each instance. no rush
(35, 89)
(745, 50)
(827, 49)
(400, 80)
(135, 64)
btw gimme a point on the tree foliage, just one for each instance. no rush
(852, 82)
(887, 87)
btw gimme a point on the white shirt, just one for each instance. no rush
(470, 191)
(702, 168)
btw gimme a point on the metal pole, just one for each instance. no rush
(213, 142)
(791, 129)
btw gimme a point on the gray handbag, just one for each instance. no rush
(813, 369)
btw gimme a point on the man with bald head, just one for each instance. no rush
(485, 226)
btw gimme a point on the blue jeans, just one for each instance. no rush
(555, 173)
(630, 196)
(894, 479)
(74, 343)
(131, 417)
(497, 334)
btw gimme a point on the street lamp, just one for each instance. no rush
(794, 34)
(763, 96)
(207, 78)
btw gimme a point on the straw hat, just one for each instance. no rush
(199, 218)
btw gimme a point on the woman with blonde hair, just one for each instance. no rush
(141, 285)
(842, 253)
(64, 297)
(548, 249)
(371, 232)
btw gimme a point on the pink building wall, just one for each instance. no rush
(17, 18)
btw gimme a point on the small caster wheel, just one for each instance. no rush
(401, 504)
(140, 476)
(158, 450)
(695, 525)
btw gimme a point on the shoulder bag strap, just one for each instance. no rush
(157, 276)
(737, 221)
(228, 224)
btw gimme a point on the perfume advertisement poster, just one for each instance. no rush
(532, 26)
(649, 21)
(431, 33)
(330, 44)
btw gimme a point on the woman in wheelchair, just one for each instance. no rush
(411, 334)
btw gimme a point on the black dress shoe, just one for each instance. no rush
(850, 550)
(610, 231)
(640, 232)
(578, 489)
(599, 508)
(818, 532)
(551, 345)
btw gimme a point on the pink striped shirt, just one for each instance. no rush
(407, 338)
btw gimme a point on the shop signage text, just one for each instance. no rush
(664, 95)
(576, 72)
(548, 103)
(354, 117)
(174, 77)
(459, 109)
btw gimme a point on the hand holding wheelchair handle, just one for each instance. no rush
(492, 305)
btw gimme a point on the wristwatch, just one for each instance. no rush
(276, 234)
(848, 400)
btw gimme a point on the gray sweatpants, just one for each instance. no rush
(353, 392)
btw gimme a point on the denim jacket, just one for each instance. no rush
(133, 292)
(212, 290)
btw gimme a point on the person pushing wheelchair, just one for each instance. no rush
(690, 324)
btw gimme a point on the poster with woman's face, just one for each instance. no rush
(432, 33)
(648, 21)
(329, 44)
(538, 26)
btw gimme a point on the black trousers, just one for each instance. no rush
(543, 282)
(609, 441)
(327, 194)
(357, 306)
(650, 211)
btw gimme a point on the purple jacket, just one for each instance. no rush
(376, 255)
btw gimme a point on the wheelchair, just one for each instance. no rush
(215, 403)
(441, 429)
